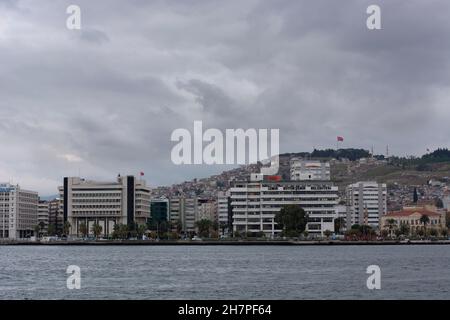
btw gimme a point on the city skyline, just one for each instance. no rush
(220, 169)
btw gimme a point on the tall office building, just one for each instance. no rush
(309, 170)
(18, 212)
(124, 201)
(255, 204)
(159, 210)
(367, 201)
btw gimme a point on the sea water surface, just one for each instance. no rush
(225, 272)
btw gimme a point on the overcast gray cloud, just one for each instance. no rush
(105, 99)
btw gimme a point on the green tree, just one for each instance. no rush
(141, 230)
(327, 233)
(120, 231)
(204, 227)
(404, 229)
(215, 225)
(420, 232)
(415, 196)
(424, 219)
(292, 219)
(96, 230)
(51, 230)
(358, 231)
(433, 232)
(83, 229)
(42, 226)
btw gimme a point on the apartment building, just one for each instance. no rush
(224, 214)
(367, 201)
(55, 217)
(124, 201)
(207, 209)
(176, 208)
(43, 215)
(255, 203)
(187, 210)
(309, 170)
(18, 212)
(189, 216)
(183, 210)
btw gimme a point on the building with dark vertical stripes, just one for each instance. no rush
(124, 201)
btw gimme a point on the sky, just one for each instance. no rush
(105, 99)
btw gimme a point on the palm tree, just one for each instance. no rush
(51, 229)
(141, 230)
(37, 229)
(425, 220)
(66, 228)
(339, 223)
(83, 229)
(96, 230)
(415, 195)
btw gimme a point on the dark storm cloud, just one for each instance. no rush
(106, 98)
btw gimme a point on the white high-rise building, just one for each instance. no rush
(18, 212)
(367, 201)
(255, 204)
(309, 170)
(125, 201)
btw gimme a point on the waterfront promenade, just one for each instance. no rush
(222, 243)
